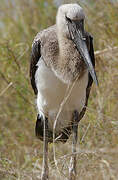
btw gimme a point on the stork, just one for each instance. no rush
(61, 55)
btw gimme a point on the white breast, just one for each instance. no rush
(51, 93)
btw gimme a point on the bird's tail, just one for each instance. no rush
(39, 128)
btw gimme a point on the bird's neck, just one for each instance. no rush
(69, 63)
(65, 47)
(62, 36)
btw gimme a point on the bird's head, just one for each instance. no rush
(67, 15)
(70, 24)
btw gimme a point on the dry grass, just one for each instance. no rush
(20, 151)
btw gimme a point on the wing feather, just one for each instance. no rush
(90, 80)
(35, 56)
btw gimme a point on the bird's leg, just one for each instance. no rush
(44, 175)
(72, 168)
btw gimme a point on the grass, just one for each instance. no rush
(20, 151)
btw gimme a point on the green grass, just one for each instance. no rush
(20, 152)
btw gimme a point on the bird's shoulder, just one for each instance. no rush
(49, 47)
(46, 36)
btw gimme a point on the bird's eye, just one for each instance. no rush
(68, 19)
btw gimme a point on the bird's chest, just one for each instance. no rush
(56, 99)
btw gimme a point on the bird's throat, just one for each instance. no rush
(70, 65)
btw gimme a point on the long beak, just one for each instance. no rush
(77, 35)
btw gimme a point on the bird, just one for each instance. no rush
(62, 56)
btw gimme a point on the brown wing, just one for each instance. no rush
(35, 56)
(90, 80)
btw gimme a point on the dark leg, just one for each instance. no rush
(44, 175)
(72, 168)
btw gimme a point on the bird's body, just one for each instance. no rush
(62, 59)
(52, 82)
(52, 79)
(51, 93)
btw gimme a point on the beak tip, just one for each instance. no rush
(96, 80)
(97, 83)
(94, 77)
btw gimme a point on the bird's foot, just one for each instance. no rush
(44, 176)
(72, 169)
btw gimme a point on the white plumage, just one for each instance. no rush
(51, 93)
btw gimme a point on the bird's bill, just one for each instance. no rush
(77, 35)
